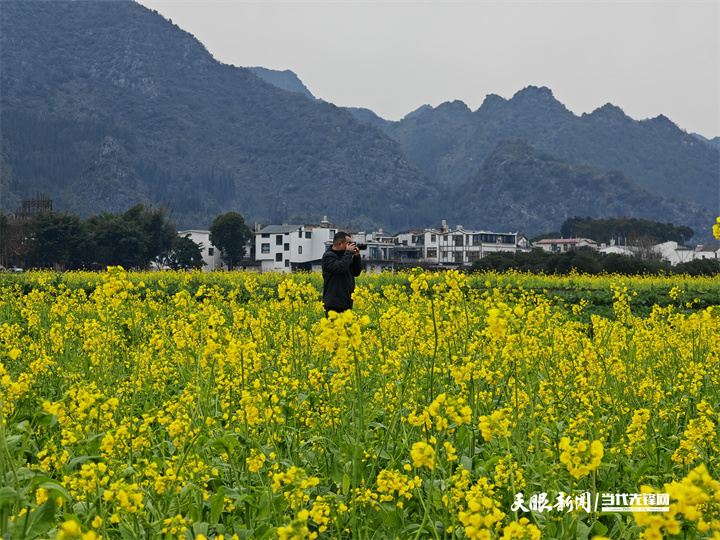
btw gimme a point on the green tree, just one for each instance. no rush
(118, 241)
(229, 234)
(133, 239)
(17, 239)
(157, 228)
(61, 240)
(185, 254)
(4, 227)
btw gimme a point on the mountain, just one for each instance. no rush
(106, 104)
(450, 142)
(714, 142)
(287, 80)
(520, 188)
(369, 117)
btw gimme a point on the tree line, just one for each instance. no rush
(135, 239)
(624, 230)
(589, 261)
(64, 241)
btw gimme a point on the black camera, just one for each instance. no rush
(361, 246)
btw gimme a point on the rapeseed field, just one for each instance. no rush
(200, 406)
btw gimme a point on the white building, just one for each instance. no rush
(210, 254)
(555, 245)
(283, 248)
(289, 247)
(456, 247)
(707, 252)
(670, 252)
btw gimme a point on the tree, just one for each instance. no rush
(158, 229)
(569, 228)
(185, 254)
(17, 240)
(133, 239)
(644, 248)
(229, 234)
(118, 241)
(684, 234)
(61, 240)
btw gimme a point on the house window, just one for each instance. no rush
(299, 250)
(299, 234)
(432, 238)
(286, 247)
(278, 257)
(473, 256)
(278, 240)
(308, 234)
(287, 263)
(266, 235)
(476, 239)
(211, 251)
(265, 248)
(488, 238)
(459, 240)
(332, 233)
(509, 239)
(432, 253)
(458, 256)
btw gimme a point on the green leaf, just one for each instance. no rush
(53, 486)
(599, 529)
(389, 515)
(345, 484)
(264, 531)
(12, 441)
(126, 533)
(200, 528)
(216, 505)
(583, 531)
(489, 464)
(461, 436)
(82, 459)
(224, 444)
(42, 519)
(7, 496)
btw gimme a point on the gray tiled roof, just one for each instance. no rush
(279, 229)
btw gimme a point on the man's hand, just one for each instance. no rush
(352, 246)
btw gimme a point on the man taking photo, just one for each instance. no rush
(340, 265)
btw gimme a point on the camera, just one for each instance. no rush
(360, 246)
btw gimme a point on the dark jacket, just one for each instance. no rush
(339, 269)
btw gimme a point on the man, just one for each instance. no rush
(340, 265)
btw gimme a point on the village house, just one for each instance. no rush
(284, 248)
(670, 252)
(290, 247)
(461, 247)
(211, 255)
(556, 245)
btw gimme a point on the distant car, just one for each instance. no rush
(15, 269)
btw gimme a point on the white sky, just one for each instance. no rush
(646, 57)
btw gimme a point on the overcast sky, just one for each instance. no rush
(646, 57)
